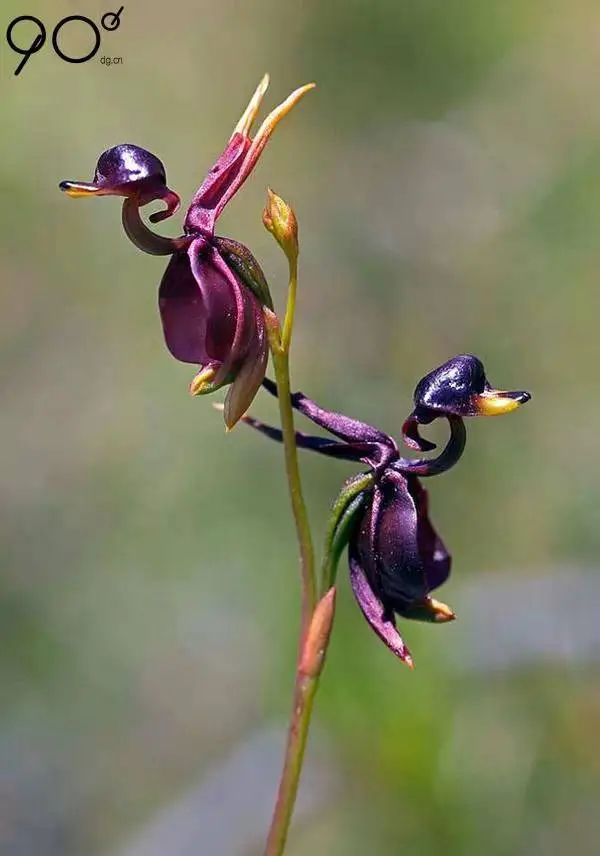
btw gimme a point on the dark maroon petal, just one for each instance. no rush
(436, 559)
(198, 312)
(384, 625)
(393, 541)
(201, 214)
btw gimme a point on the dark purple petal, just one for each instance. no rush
(400, 552)
(388, 542)
(436, 559)
(199, 313)
(384, 625)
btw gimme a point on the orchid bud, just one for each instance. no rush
(280, 220)
(319, 630)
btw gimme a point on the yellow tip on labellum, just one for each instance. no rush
(78, 188)
(495, 402)
(202, 381)
(428, 609)
(251, 111)
(441, 612)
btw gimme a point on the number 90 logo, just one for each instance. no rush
(109, 21)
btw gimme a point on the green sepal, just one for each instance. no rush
(242, 262)
(345, 513)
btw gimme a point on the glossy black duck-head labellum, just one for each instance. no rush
(460, 387)
(130, 171)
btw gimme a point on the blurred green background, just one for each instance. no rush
(446, 178)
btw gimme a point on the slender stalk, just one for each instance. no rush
(280, 342)
(305, 684)
(290, 312)
(307, 567)
(304, 696)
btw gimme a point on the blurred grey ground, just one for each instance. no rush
(446, 176)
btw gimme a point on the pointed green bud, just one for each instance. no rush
(280, 220)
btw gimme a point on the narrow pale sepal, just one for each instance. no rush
(246, 121)
(247, 382)
(259, 142)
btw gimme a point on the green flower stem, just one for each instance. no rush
(307, 561)
(305, 684)
(304, 696)
(290, 311)
(344, 513)
(308, 674)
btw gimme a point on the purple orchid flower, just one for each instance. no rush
(396, 557)
(212, 294)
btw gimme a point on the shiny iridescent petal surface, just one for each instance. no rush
(130, 171)
(387, 542)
